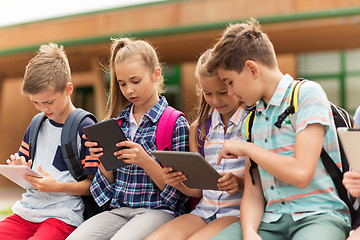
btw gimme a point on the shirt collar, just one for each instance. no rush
(235, 118)
(153, 114)
(278, 95)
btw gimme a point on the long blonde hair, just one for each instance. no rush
(203, 111)
(122, 49)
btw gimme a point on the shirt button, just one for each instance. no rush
(283, 203)
(267, 118)
(266, 140)
(272, 187)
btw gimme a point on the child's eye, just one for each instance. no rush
(207, 94)
(224, 93)
(122, 84)
(136, 82)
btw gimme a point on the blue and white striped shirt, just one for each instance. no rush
(220, 203)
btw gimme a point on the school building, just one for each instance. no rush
(318, 40)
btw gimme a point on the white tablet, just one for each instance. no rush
(16, 174)
(200, 174)
(350, 141)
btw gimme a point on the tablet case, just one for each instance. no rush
(350, 140)
(107, 133)
(200, 174)
(16, 174)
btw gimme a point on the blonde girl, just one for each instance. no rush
(222, 115)
(140, 201)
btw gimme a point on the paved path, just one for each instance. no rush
(8, 196)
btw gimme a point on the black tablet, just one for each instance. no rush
(200, 174)
(107, 134)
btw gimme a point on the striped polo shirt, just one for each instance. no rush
(320, 196)
(220, 203)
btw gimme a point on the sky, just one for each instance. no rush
(22, 11)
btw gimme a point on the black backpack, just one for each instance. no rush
(69, 149)
(342, 119)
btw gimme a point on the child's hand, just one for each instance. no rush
(230, 150)
(45, 184)
(174, 179)
(351, 182)
(94, 150)
(15, 159)
(230, 183)
(133, 153)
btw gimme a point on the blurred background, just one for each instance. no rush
(318, 40)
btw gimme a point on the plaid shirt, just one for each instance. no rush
(133, 187)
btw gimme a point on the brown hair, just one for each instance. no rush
(241, 42)
(48, 70)
(122, 49)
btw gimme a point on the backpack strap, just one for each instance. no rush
(69, 144)
(165, 128)
(248, 127)
(33, 133)
(293, 102)
(202, 141)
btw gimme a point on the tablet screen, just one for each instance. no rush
(16, 174)
(107, 134)
(200, 174)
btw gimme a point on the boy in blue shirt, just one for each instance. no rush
(54, 208)
(293, 197)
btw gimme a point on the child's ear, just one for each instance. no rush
(253, 68)
(157, 73)
(69, 88)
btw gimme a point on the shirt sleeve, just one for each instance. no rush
(100, 189)
(24, 149)
(171, 196)
(313, 106)
(89, 163)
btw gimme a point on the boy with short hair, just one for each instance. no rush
(293, 197)
(55, 208)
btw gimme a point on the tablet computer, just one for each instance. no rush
(350, 141)
(16, 174)
(200, 174)
(107, 134)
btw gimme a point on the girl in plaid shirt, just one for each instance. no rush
(137, 194)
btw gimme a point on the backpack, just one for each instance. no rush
(165, 128)
(342, 119)
(69, 149)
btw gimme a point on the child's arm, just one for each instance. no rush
(176, 179)
(96, 152)
(136, 154)
(351, 182)
(297, 170)
(49, 184)
(252, 205)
